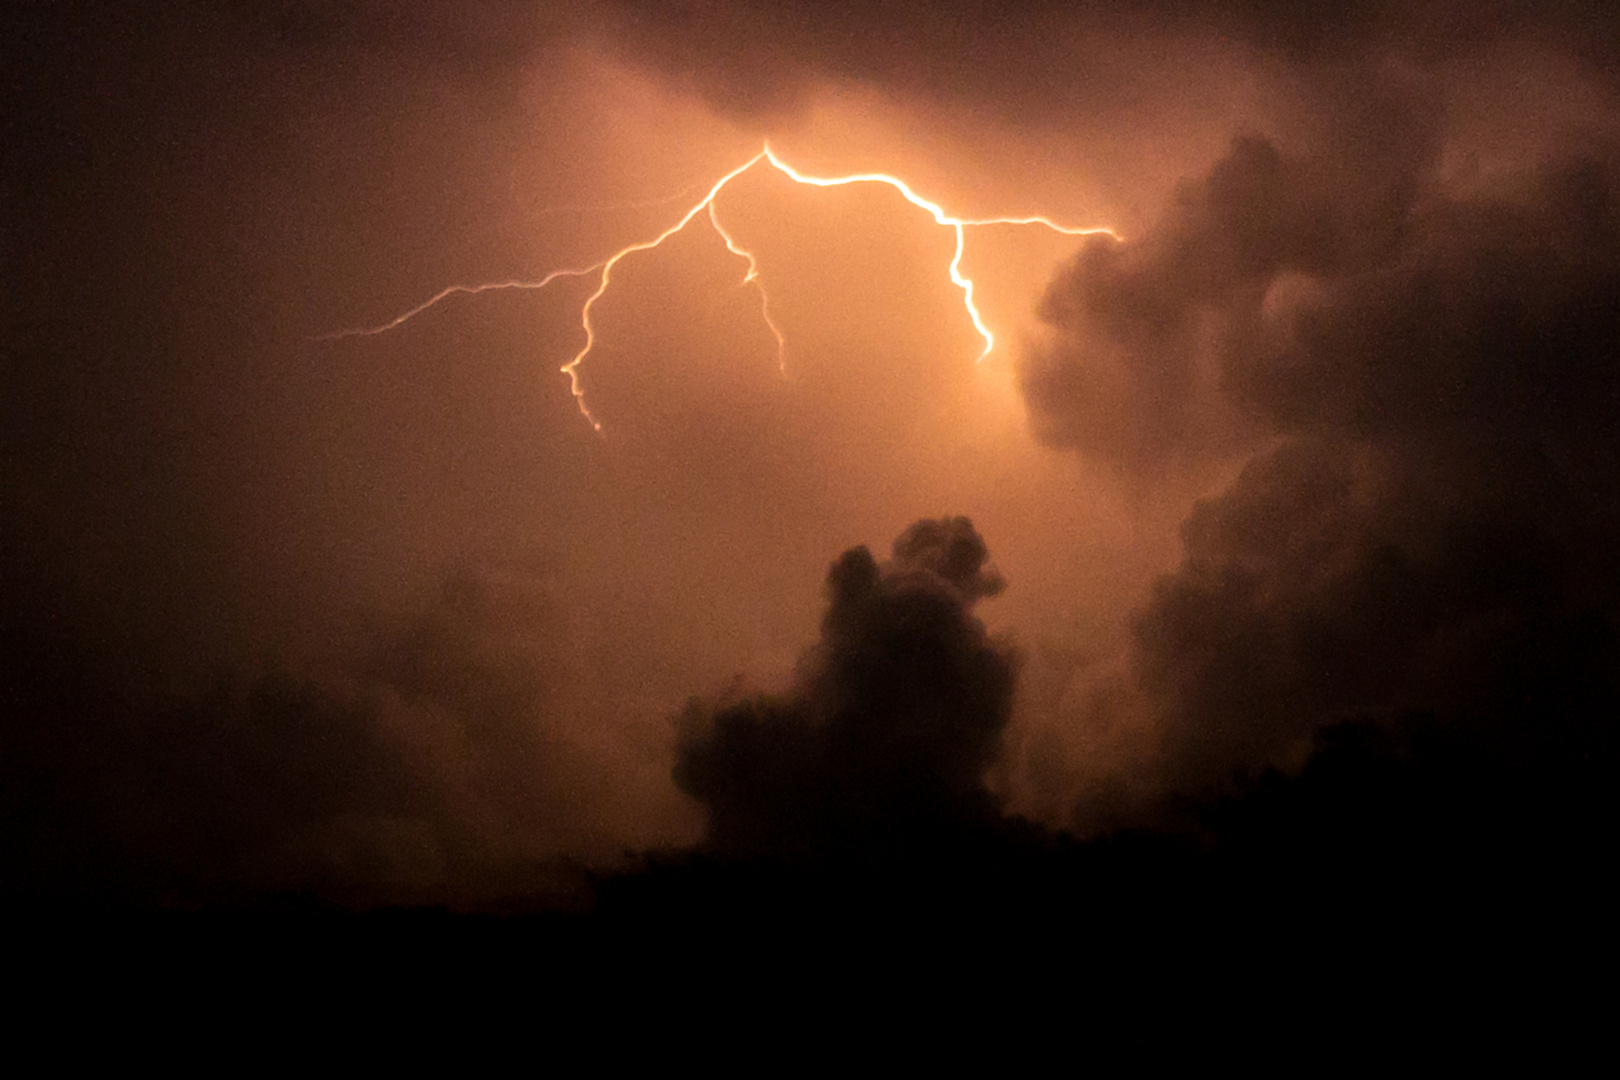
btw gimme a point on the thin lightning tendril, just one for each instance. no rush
(368, 331)
(571, 369)
(752, 277)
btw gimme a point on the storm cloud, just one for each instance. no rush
(1419, 372)
(882, 747)
(1307, 480)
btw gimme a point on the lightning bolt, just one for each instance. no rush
(571, 369)
(958, 225)
(941, 218)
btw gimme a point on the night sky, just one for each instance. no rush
(1274, 541)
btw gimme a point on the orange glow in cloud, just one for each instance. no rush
(605, 267)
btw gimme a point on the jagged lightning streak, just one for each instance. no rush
(940, 217)
(571, 369)
(766, 154)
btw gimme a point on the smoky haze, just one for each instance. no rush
(1324, 443)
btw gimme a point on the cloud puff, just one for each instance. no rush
(883, 744)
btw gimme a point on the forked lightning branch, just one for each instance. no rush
(604, 269)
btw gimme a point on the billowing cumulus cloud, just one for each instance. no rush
(882, 747)
(1421, 372)
(1144, 333)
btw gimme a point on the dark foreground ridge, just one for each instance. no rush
(853, 809)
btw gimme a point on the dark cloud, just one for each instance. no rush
(1491, 312)
(883, 746)
(1036, 62)
(1422, 372)
(482, 45)
(1321, 588)
(1143, 335)
(1353, 278)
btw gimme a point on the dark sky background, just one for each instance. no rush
(1294, 506)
